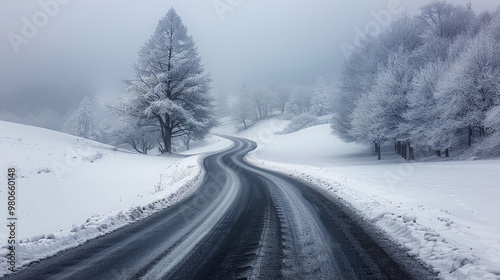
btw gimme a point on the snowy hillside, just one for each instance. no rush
(71, 189)
(445, 213)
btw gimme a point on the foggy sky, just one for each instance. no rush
(87, 47)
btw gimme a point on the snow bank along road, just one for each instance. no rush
(243, 222)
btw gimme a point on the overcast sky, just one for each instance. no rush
(51, 57)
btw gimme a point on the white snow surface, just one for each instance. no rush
(70, 189)
(444, 213)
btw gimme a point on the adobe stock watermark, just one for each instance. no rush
(396, 178)
(222, 7)
(31, 26)
(74, 157)
(381, 20)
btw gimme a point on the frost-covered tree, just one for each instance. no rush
(389, 95)
(366, 120)
(299, 101)
(81, 122)
(357, 78)
(170, 86)
(446, 20)
(362, 67)
(142, 138)
(126, 133)
(282, 95)
(244, 111)
(378, 114)
(468, 91)
(320, 101)
(263, 99)
(421, 115)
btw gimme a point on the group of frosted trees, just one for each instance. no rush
(257, 103)
(431, 81)
(169, 98)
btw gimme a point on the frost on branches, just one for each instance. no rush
(429, 81)
(170, 86)
(81, 122)
(320, 101)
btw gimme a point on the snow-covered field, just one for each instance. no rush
(445, 213)
(70, 189)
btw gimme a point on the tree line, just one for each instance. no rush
(430, 82)
(290, 101)
(168, 101)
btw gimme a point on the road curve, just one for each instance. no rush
(242, 223)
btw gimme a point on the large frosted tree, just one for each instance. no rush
(170, 85)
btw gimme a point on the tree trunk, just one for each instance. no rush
(447, 153)
(379, 156)
(404, 150)
(376, 144)
(438, 153)
(167, 140)
(407, 150)
(470, 135)
(408, 153)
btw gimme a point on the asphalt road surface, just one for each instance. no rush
(242, 223)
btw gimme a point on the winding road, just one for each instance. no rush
(243, 222)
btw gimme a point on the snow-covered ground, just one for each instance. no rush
(70, 189)
(445, 213)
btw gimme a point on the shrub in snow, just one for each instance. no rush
(93, 157)
(299, 122)
(44, 170)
